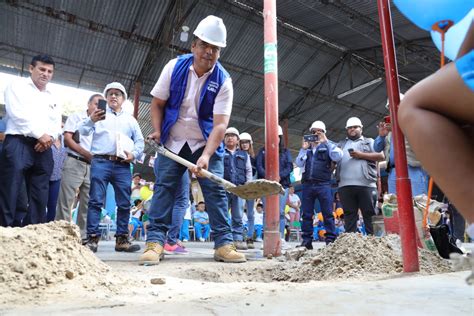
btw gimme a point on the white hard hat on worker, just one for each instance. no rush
(246, 137)
(353, 122)
(318, 125)
(212, 30)
(232, 131)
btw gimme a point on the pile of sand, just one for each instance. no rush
(36, 257)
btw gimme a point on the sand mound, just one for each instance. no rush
(36, 257)
(352, 256)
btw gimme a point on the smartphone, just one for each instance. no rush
(350, 150)
(310, 138)
(386, 119)
(102, 106)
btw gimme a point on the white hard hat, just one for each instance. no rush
(116, 85)
(401, 98)
(354, 121)
(318, 125)
(280, 130)
(212, 30)
(246, 136)
(233, 131)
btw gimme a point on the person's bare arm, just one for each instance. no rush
(69, 142)
(368, 156)
(157, 109)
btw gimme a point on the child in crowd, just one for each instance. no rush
(259, 222)
(135, 218)
(201, 222)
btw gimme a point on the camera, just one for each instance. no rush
(310, 138)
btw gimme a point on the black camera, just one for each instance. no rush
(310, 138)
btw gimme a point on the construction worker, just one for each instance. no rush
(316, 158)
(238, 170)
(190, 111)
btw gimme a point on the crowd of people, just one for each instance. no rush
(190, 112)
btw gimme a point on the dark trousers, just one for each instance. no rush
(353, 198)
(311, 192)
(54, 187)
(20, 162)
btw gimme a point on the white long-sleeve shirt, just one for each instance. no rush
(31, 112)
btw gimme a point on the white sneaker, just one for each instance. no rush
(284, 245)
(202, 239)
(185, 240)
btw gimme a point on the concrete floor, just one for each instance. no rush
(442, 294)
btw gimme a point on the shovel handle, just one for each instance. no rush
(207, 174)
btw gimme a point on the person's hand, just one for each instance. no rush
(202, 163)
(355, 154)
(155, 136)
(304, 144)
(44, 143)
(97, 115)
(129, 158)
(322, 137)
(87, 156)
(384, 129)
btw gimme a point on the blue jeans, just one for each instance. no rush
(168, 174)
(54, 187)
(236, 209)
(181, 203)
(323, 193)
(418, 179)
(119, 176)
(201, 230)
(251, 218)
(184, 232)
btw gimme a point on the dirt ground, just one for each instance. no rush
(44, 270)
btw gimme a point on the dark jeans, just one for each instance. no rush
(52, 199)
(353, 198)
(322, 192)
(20, 163)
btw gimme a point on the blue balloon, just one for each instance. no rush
(454, 36)
(425, 13)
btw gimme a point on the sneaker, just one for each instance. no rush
(152, 255)
(185, 240)
(228, 253)
(174, 250)
(284, 245)
(308, 246)
(258, 239)
(240, 245)
(202, 239)
(122, 243)
(92, 242)
(250, 244)
(180, 243)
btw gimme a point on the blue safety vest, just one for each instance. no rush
(179, 79)
(317, 168)
(234, 166)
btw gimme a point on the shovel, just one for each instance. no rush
(249, 191)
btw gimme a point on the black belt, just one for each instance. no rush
(78, 158)
(110, 157)
(24, 138)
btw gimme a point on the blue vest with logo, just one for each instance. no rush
(179, 80)
(234, 166)
(318, 165)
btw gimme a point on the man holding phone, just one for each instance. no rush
(76, 169)
(316, 158)
(107, 167)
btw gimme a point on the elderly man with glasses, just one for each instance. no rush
(357, 176)
(111, 130)
(317, 158)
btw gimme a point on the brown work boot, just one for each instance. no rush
(240, 245)
(152, 255)
(92, 242)
(228, 253)
(122, 243)
(250, 244)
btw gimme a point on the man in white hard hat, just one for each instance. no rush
(238, 170)
(110, 130)
(316, 158)
(356, 174)
(190, 111)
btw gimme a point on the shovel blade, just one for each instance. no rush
(255, 189)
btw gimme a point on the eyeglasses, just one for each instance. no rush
(352, 127)
(117, 94)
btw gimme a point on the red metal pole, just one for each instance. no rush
(272, 245)
(136, 99)
(405, 204)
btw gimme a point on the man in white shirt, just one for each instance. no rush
(33, 123)
(76, 169)
(191, 106)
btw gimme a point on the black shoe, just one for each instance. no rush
(92, 242)
(308, 246)
(122, 243)
(250, 244)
